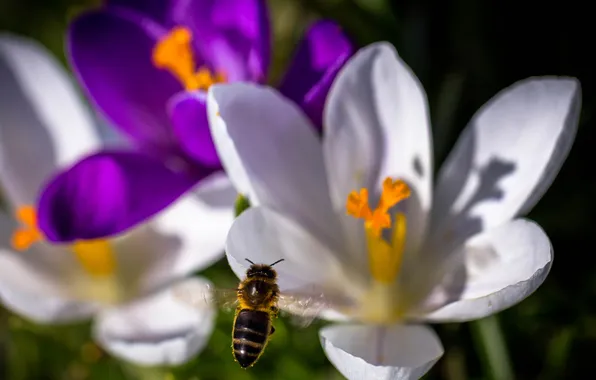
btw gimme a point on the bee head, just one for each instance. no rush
(261, 270)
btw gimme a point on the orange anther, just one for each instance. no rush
(393, 193)
(25, 236)
(27, 216)
(379, 218)
(357, 204)
(174, 53)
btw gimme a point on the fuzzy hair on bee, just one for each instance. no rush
(258, 294)
(256, 302)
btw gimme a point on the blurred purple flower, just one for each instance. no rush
(146, 65)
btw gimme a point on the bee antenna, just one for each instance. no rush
(278, 261)
(250, 261)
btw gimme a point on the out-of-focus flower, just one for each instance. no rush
(351, 213)
(146, 66)
(121, 282)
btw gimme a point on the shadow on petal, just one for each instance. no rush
(491, 272)
(43, 121)
(505, 158)
(452, 226)
(22, 129)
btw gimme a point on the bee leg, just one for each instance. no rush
(272, 330)
(274, 311)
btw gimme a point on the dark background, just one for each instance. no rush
(464, 52)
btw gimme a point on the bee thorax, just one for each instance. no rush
(257, 292)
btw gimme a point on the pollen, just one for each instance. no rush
(384, 257)
(173, 53)
(28, 233)
(378, 219)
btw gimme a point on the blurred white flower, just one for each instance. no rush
(121, 282)
(336, 210)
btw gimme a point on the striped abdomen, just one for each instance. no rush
(251, 330)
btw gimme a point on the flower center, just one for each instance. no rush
(384, 258)
(173, 52)
(96, 257)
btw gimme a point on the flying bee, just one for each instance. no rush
(257, 307)
(257, 301)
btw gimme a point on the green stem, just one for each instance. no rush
(492, 349)
(242, 204)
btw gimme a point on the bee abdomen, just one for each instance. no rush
(246, 352)
(250, 335)
(251, 331)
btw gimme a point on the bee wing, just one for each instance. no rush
(304, 308)
(202, 296)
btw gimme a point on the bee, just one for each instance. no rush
(257, 301)
(257, 307)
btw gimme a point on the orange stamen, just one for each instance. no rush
(174, 53)
(385, 257)
(95, 256)
(28, 234)
(379, 218)
(357, 204)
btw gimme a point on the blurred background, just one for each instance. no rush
(463, 51)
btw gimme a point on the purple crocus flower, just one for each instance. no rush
(146, 65)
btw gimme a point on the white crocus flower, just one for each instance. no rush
(44, 126)
(457, 253)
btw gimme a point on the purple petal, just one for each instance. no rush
(233, 35)
(191, 127)
(319, 57)
(105, 194)
(155, 9)
(111, 52)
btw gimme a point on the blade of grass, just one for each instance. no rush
(491, 348)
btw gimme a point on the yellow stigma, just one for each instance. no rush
(384, 258)
(174, 53)
(96, 257)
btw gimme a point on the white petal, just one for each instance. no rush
(34, 283)
(42, 308)
(37, 292)
(377, 125)
(189, 235)
(158, 330)
(24, 272)
(49, 265)
(265, 236)
(271, 151)
(507, 156)
(396, 352)
(43, 122)
(498, 269)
